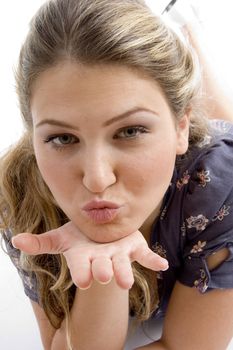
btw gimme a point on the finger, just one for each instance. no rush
(102, 269)
(147, 258)
(123, 271)
(80, 269)
(50, 242)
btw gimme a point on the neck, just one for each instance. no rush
(146, 227)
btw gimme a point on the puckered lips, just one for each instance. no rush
(101, 212)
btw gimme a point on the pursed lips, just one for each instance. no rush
(101, 212)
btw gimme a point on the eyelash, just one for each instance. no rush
(137, 129)
(51, 139)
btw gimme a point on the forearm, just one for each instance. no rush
(217, 100)
(99, 317)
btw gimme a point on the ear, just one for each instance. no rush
(182, 129)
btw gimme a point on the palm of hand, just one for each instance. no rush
(88, 260)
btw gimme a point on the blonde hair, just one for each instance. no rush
(123, 32)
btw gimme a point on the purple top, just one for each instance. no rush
(196, 220)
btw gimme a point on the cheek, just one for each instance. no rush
(45, 166)
(150, 170)
(52, 170)
(148, 180)
(56, 179)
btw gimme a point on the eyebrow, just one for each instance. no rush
(107, 123)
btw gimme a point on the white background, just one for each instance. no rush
(18, 328)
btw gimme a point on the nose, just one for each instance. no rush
(98, 172)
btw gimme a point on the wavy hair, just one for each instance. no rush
(123, 32)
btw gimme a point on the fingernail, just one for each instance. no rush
(165, 265)
(13, 242)
(165, 268)
(84, 288)
(104, 283)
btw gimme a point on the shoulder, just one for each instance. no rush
(28, 277)
(206, 179)
(206, 188)
(13, 253)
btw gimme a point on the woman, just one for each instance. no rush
(117, 175)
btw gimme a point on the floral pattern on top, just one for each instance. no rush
(199, 222)
(224, 211)
(158, 249)
(201, 283)
(183, 181)
(28, 278)
(197, 248)
(204, 177)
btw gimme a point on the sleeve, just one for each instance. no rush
(208, 219)
(28, 278)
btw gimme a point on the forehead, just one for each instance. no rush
(108, 88)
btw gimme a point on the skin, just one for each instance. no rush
(103, 133)
(101, 160)
(134, 172)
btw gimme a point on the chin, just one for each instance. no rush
(107, 233)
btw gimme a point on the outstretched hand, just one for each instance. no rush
(88, 260)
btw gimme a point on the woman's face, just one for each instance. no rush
(105, 142)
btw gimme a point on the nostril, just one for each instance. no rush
(98, 181)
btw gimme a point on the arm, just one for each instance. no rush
(218, 104)
(198, 321)
(99, 310)
(216, 100)
(99, 315)
(47, 331)
(187, 324)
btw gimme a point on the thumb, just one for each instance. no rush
(50, 242)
